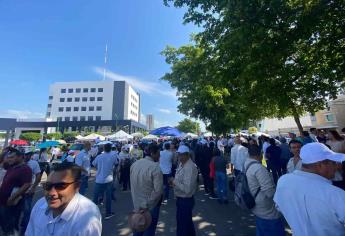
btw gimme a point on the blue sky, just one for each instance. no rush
(43, 42)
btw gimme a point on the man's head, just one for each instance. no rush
(154, 151)
(295, 147)
(272, 141)
(313, 131)
(292, 135)
(87, 146)
(14, 157)
(183, 153)
(255, 152)
(317, 158)
(305, 134)
(27, 156)
(237, 140)
(167, 146)
(61, 186)
(107, 147)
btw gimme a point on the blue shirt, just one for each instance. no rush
(311, 204)
(105, 163)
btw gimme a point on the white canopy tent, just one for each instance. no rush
(120, 135)
(79, 137)
(150, 137)
(208, 134)
(94, 136)
(137, 135)
(190, 135)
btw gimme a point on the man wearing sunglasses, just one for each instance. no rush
(63, 211)
(16, 182)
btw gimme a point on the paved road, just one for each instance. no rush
(210, 218)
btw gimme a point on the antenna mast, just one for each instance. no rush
(105, 61)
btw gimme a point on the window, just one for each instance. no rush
(48, 114)
(84, 99)
(49, 105)
(78, 90)
(69, 99)
(77, 99)
(83, 108)
(75, 108)
(100, 90)
(99, 108)
(60, 109)
(92, 99)
(50, 97)
(99, 99)
(59, 119)
(85, 90)
(68, 109)
(62, 99)
(75, 118)
(93, 90)
(98, 118)
(70, 90)
(91, 108)
(329, 117)
(82, 118)
(67, 118)
(90, 118)
(63, 90)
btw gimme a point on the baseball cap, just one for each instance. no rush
(316, 152)
(183, 149)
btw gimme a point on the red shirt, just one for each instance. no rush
(15, 177)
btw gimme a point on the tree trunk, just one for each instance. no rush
(298, 121)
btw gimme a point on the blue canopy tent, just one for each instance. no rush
(167, 131)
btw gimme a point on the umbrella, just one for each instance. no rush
(19, 142)
(48, 144)
(104, 143)
(167, 131)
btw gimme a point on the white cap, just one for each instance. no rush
(71, 151)
(315, 152)
(183, 149)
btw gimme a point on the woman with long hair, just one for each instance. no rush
(335, 141)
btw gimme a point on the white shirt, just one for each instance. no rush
(83, 160)
(311, 204)
(239, 155)
(80, 218)
(165, 161)
(220, 145)
(105, 163)
(291, 167)
(35, 168)
(186, 180)
(44, 157)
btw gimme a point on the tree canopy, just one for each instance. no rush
(256, 59)
(30, 136)
(188, 126)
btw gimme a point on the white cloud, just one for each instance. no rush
(166, 111)
(21, 114)
(143, 86)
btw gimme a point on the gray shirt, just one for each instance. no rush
(146, 183)
(186, 180)
(258, 177)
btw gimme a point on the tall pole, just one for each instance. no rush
(105, 61)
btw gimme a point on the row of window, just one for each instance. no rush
(133, 113)
(91, 108)
(85, 90)
(134, 98)
(84, 99)
(133, 105)
(81, 118)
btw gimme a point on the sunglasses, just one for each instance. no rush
(47, 186)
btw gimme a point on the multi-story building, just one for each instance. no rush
(149, 122)
(93, 101)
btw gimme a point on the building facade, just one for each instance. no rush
(93, 101)
(150, 122)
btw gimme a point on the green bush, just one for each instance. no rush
(30, 136)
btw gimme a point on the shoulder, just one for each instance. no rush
(40, 206)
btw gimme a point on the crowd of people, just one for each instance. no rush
(297, 179)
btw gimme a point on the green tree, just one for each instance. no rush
(55, 136)
(30, 136)
(189, 126)
(282, 55)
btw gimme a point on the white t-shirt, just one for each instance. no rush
(220, 145)
(35, 168)
(83, 160)
(105, 163)
(165, 161)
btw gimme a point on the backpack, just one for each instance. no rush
(243, 197)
